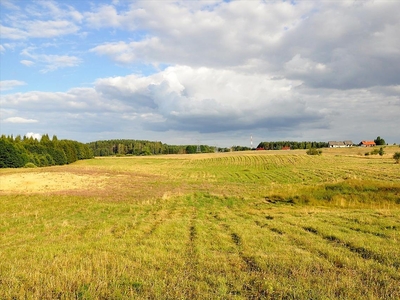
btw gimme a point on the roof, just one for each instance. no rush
(341, 143)
(368, 143)
(335, 143)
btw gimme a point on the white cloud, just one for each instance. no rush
(104, 16)
(12, 33)
(325, 44)
(58, 11)
(42, 19)
(38, 29)
(50, 62)
(6, 85)
(19, 120)
(27, 63)
(9, 5)
(229, 34)
(54, 62)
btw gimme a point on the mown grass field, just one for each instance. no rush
(250, 225)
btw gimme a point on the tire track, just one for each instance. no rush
(364, 253)
(192, 260)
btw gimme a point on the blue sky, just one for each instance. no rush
(210, 71)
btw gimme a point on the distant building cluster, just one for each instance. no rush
(343, 144)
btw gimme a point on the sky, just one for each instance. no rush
(201, 72)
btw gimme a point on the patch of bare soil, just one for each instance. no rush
(45, 182)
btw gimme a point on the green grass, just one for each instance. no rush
(243, 226)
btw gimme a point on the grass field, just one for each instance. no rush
(249, 225)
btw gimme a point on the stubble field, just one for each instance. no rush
(249, 225)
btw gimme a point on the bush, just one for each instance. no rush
(396, 157)
(314, 151)
(30, 165)
(375, 152)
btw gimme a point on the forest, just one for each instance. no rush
(141, 147)
(29, 152)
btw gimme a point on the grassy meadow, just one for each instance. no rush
(245, 225)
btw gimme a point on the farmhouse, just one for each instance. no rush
(341, 144)
(367, 144)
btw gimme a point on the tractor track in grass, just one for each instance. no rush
(362, 252)
(298, 243)
(253, 288)
(191, 257)
(250, 262)
(364, 231)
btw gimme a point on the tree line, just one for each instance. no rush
(293, 145)
(16, 152)
(143, 147)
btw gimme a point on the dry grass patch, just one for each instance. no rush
(47, 182)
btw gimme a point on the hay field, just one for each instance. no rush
(249, 225)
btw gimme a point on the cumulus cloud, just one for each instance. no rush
(335, 44)
(183, 98)
(209, 101)
(10, 84)
(104, 16)
(228, 34)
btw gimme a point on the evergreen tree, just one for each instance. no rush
(11, 155)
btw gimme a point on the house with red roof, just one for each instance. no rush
(367, 144)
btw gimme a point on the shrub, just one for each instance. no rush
(30, 165)
(375, 152)
(314, 151)
(396, 157)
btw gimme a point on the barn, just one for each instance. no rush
(341, 144)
